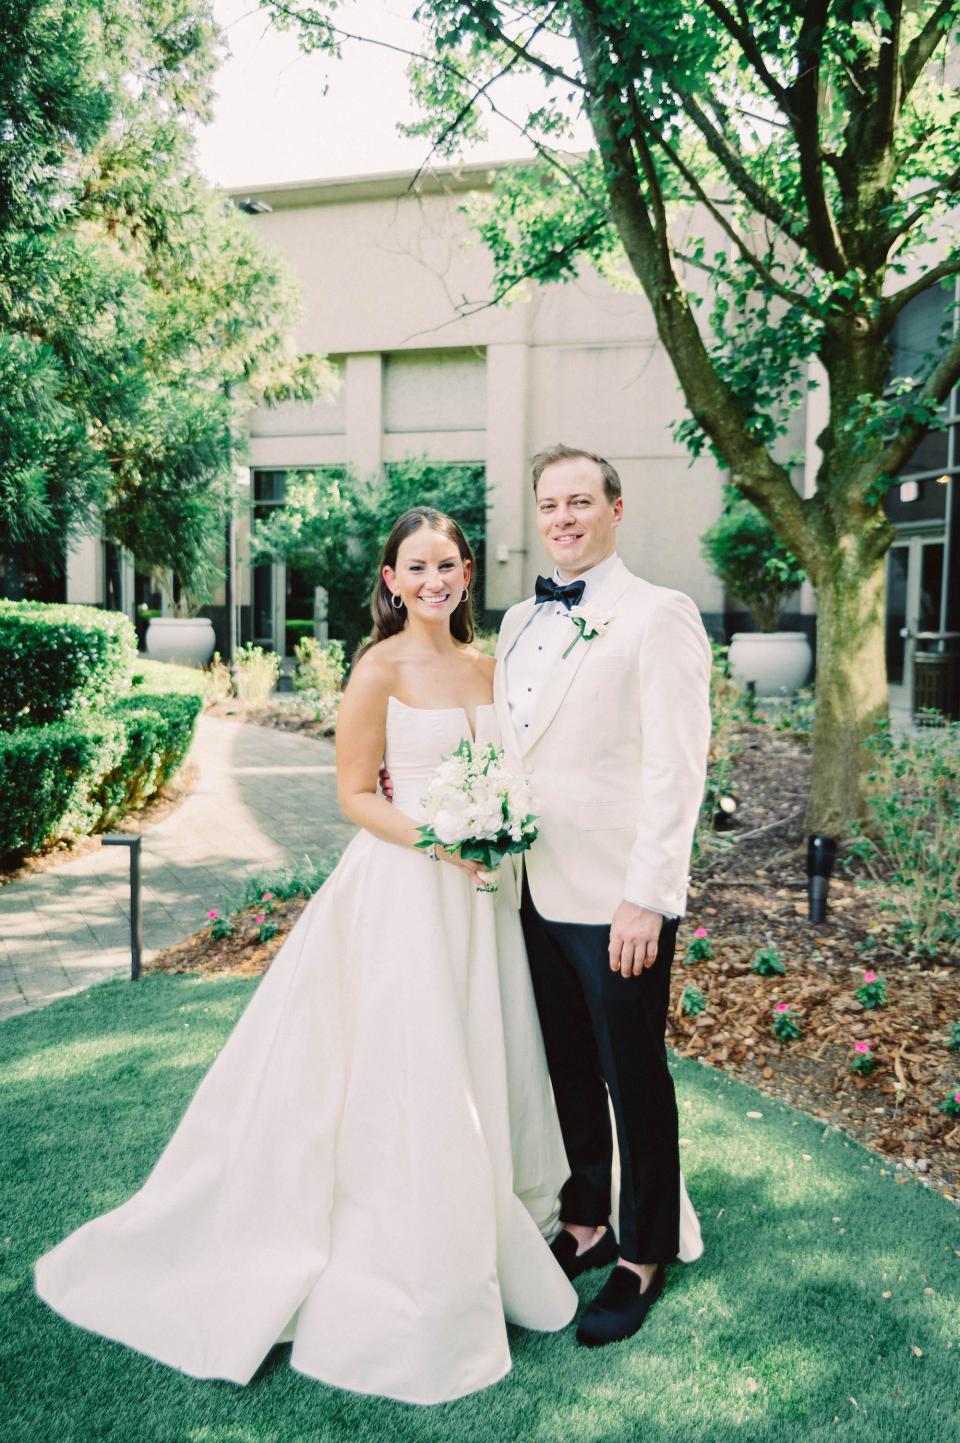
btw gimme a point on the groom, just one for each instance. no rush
(602, 693)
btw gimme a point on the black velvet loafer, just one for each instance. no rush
(564, 1249)
(619, 1309)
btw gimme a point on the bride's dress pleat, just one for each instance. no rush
(367, 1166)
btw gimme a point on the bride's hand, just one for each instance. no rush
(479, 874)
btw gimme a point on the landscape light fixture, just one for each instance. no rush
(253, 207)
(821, 855)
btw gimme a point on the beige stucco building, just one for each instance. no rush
(398, 292)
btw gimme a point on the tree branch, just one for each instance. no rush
(494, 32)
(743, 35)
(938, 387)
(711, 402)
(892, 305)
(793, 298)
(920, 49)
(740, 177)
(803, 107)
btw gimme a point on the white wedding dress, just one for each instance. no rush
(371, 1164)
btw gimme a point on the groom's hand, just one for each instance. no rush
(634, 934)
(386, 784)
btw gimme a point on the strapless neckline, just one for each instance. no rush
(440, 710)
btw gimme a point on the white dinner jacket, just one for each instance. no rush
(615, 752)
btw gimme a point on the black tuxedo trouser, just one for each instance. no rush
(604, 1031)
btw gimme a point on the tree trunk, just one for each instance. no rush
(851, 689)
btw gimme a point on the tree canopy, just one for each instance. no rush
(139, 314)
(809, 147)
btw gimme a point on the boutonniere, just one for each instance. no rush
(589, 626)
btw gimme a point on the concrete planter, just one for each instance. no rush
(188, 640)
(777, 662)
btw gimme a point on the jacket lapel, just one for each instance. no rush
(603, 602)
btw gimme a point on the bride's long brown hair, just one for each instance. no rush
(388, 619)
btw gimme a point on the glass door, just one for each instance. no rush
(915, 601)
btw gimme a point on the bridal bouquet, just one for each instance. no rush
(475, 803)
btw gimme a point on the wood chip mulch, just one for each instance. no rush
(748, 895)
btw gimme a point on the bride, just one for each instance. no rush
(370, 1166)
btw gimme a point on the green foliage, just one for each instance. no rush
(49, 776)
(135, 309)
(693, 1001)
(255, 674)
(742, 549)
(912, 839)
(785, 1024)
(318, 678)
(873, 991)
(699, 948)
(59, 662)
(178, 713)
(951, 1105)
(301, 880)
(863, 1061)
(68, 779)
(726, 712)
(768, 962)
(954, 1041)
(333, 525)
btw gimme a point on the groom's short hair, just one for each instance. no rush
(611, 481)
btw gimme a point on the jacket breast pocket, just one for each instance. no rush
(607, 816)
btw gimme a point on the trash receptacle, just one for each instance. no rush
(936, 677)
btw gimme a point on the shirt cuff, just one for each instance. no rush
(667, 916)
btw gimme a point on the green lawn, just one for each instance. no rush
(771, 1336)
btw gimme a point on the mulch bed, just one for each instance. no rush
(284, 718)
(756, 893)
(748, 895)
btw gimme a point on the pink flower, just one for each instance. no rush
(267, 897)
(869, 976)
(701, 932)
(861, 1047)
(783, 1007)
(956, 1097)
(213, 915)
(261, 917)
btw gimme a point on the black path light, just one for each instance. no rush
(119, 839)
(821, 855)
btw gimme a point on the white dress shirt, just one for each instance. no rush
(538, 649)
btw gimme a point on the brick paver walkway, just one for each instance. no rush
(263, 798)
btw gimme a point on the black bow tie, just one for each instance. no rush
(548, 590)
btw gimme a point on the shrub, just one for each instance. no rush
(320, 669)
(742, 549)
(179, 714)
(72, 778)
(768, 962)
(915, 837)
(48, 776)
(256, 674)
(60, 662)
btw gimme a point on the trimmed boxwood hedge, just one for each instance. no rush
(58, 662)
(72, 778)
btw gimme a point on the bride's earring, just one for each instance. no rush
(396, 601)
(466, 593)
